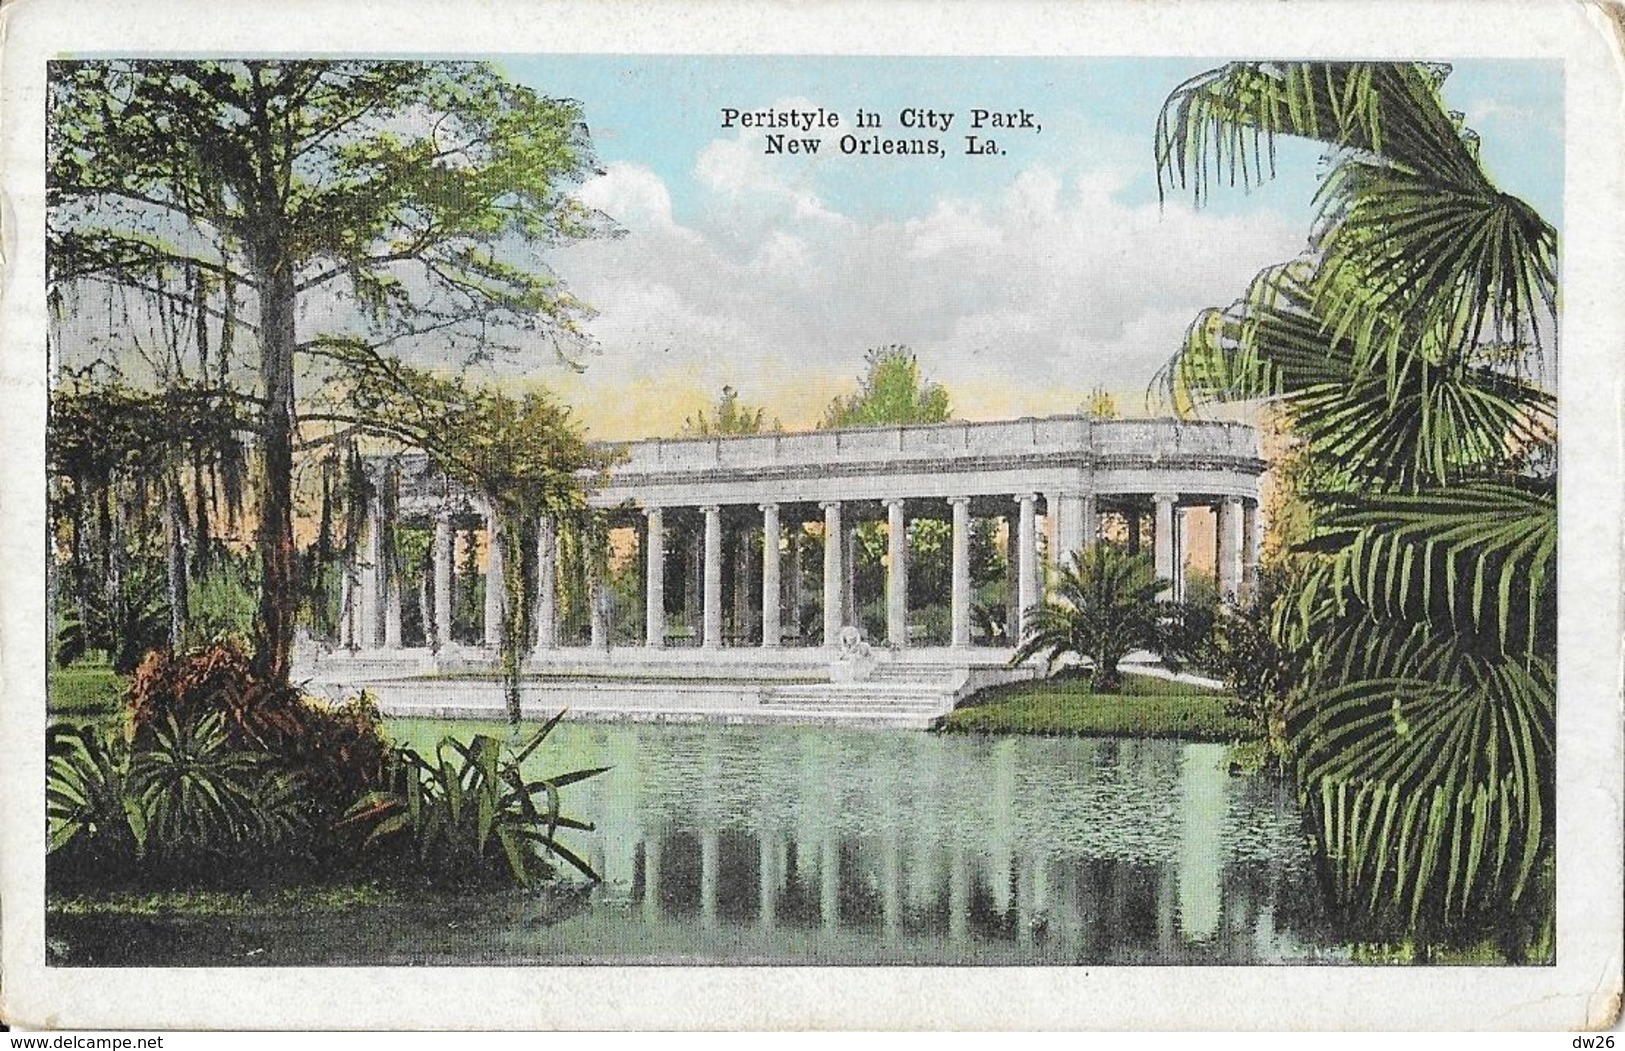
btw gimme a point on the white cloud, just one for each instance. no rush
(1020, 302)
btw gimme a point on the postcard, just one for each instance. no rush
(714, 516)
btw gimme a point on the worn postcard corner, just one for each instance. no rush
(750, 514)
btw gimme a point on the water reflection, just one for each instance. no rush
(744, 844)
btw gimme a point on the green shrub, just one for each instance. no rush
(470, 815)
(337, 751)
(182, 802)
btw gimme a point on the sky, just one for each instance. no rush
(1022, 277)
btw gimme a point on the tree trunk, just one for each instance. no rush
(175, 520)
(279, 586)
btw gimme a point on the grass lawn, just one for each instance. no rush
(1064, 705)
(86, 689)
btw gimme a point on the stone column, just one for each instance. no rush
(1026, 564)
(1089, 523)
(712, 630)
(834, 538)
(547, 582)
(443, 548)
(960, 595)
(849, 572)
(392, 596)
(493, 581)
(597, 605)
(347, 603)
(1053, 550)
(368, 598)
(1251, 539)
(896, 574)
(770, 576)
(1069, 530)
(654, 579)
(1230, 548)
(1165, 546)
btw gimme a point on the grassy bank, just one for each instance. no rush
(1065, 705)
(86, 689)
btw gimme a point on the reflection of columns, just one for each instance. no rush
(833, 539)
(829, 882)
(770, 576)
(547, 582)
(709, 851)
(651, 876)
(493, 580)
(442, 580)
(1166, 550)
(654, 579)
(1228, 523)
(891, 877)
(712, 630)
(896, 574)
(958, 894)
(1204, 798)
(960, 597)
(767, 879)
(1249, 549)
(1027, 564)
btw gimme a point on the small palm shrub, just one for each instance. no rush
(185, 800)
(89, 813)
(1104, 606)
(468, 814)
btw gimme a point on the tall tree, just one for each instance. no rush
(729, 416)
(1400, 348)
(377, 201)
(891, 391)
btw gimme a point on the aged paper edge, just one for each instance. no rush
(1580, 991)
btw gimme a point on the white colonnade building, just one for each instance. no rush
(730, 532)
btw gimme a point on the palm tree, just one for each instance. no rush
(1104, 607)
(1401, 347)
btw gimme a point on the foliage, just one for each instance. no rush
(1416, 634)
(412, 193)
(125, 617)
(471, 814)
(1103, 606)
(220, 603)
(182, 799)
(338, 751)
(1101, 405)
(729, 416)
(891, 391)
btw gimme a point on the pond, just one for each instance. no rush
(802, 845)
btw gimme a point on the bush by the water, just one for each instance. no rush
(337, 751)
(218, 777)
(471, 814)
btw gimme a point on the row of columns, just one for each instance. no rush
(374, 607)
(836, 601)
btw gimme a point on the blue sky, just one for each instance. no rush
(1022, 279)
